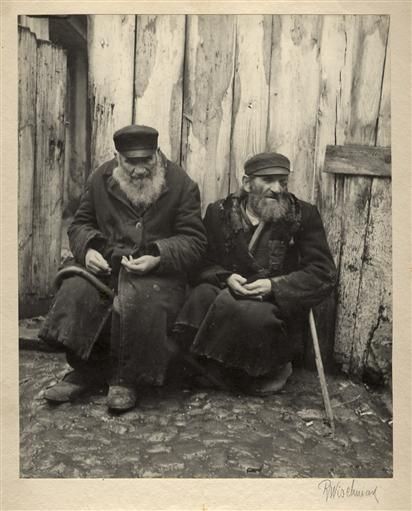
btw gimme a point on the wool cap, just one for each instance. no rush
(136, 141)
(267, 164)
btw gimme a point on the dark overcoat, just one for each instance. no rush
(292, 253)
(108, 222)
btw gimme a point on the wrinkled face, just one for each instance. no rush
(264, 185)
(268, 196)
(138, 168)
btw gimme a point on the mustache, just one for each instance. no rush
(141, 173)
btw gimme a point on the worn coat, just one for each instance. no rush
(108, 222)
(293, 254)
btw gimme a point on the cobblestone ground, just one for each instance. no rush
(192, 432)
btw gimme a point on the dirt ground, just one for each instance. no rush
(187, 432)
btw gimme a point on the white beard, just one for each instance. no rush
(141, 192)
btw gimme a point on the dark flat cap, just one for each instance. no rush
(136, 141)
(267, 164)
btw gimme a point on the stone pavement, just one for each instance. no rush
(201, 432)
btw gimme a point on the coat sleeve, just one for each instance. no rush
(184, 250)
(83, 232)
(212, 270)
(316, 276)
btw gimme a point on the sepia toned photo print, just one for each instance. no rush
(205, 257)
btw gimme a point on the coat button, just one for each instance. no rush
(138, 225)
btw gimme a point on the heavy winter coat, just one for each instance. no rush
(292, 253)
(106, 221)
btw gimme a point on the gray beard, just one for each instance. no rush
(141, 192)
(270, 210)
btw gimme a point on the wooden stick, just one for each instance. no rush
(321, 373)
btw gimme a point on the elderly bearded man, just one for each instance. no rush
(246, 312)
(138, 228)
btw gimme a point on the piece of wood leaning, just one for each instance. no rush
(358, 160)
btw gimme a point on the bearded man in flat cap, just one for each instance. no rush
(138, 230)
(268, 262)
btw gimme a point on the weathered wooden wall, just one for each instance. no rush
(42, 95)
(221, 88)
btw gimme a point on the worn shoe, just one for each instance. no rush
(121, 398)
(72, 386)
(269, 385)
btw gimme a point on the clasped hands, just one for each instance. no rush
(96, 263)
(258, 288)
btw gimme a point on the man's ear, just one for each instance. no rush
(246, 183)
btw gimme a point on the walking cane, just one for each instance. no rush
(314, 335)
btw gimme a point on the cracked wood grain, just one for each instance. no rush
(158, 100)
(111, 48)
(27, 60)
(207, 109)
(49, 175)
(251, 92)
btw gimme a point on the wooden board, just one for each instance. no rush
(358, 160)
(251, 92)
(368, 65)
(27, 54)
(207, 109)
(328, 191)
(48, 185)
(372, 342)
(160, 43)
(294, 96)
(111, 67)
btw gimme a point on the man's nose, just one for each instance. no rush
(274, 187)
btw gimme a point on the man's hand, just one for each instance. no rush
(235, 282)
(261, 287)
(96, 263)
(141, 265)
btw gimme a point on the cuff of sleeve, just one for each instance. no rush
(159, 249)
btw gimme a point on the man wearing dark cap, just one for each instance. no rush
(138, 231)
(267, 263)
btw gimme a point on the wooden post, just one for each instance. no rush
(158, 101)
(207, 111)
(48, 184)
(27, 53)
(111, 65)
(251, 92)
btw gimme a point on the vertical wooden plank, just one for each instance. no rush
(27, 55)
(207, 108)
(251, 92)
(332, 121)
(48, 185)
(111, 69)
(368, 64)
(160, 43)
(294, 96)
(372, 352)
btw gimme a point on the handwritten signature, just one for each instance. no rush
(337, 490)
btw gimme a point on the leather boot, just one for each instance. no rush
(121, 398)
